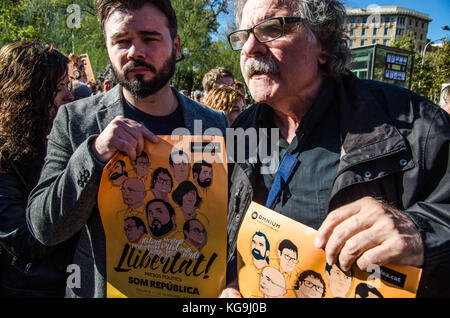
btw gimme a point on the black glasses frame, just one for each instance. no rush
(283, 22)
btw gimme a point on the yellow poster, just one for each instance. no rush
(277, 259)
(165, 217)
(80, 68)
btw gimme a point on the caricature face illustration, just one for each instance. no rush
(259, 248)
(161, 217)
(133, 193)
(364, 290)
(179, 164)
(134, 228)
(142, 164)
(310, 285)
(272, 283)
(195, 233)
(202, 173)
(161, 183)
(287, 252)
(118, 173)
(339, 281)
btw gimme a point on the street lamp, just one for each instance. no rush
(426, 46)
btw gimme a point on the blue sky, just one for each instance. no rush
(438, 10)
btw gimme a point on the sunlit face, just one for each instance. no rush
(310, 287)
(225, 80)
(141, 50)
(133, 192)
(295, 57)
(339, 282)
(237, 109)
(196, 235)
(63, 94)
(272, 283)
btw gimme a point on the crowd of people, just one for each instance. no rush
(372, 171)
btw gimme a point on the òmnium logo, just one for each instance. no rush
(264, 220)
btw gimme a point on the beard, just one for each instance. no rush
(141, 88)
(205, 183)
(159, 229)
(257, 254)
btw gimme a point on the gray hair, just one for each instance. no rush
(446, 94)
(326, 19)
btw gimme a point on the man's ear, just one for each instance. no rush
(177, 45)
(323, 56)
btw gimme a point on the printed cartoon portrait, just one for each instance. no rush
(272, 283)
(161, 217)
(187, 198)
(118, 173)
(133, 193)
(195, 233)
(161, 184)
(288, 254)
(179, 164)
(338, 280)
(310, 285)
(260, 250)
(202, 172)
(141, 164)
(364, 290)
(134, 228)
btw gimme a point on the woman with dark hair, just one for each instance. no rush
(187, 198)
(33, 84)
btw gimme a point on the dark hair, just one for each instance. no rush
(29, 76)
(187, 224)
(197, 167)
(289, 245)
(177, 152)
(138, 222)
(183, 188)
(328, 268)
(168, 206)
(363, 290)
(156, 173)
(312, 273)
(106, 7)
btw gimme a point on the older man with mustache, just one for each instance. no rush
(364, 163)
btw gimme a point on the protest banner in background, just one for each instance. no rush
(80, 68)
(165, 217)
(277, 259)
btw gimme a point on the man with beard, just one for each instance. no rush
(161, 217)
(250, 273)
(202, 173)
(118, 173)
(142, 44)
(365, 163)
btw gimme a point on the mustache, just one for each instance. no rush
(261, 65)
(136, 63)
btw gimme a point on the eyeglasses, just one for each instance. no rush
(289, 259)
(270, 280)
(265, 31)
(129, 227)
(198, 231)
(312, 285)
(163, 181)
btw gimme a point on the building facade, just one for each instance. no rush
(386, 24)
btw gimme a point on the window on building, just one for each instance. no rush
(375, 30)
(351, 43)
(362, 43)
(363, 31)
(421, 36)
(351, 31)
(374, 41)
(364, 20)
(385, 42)
(387, 19)
(353, 20)
(386, 31)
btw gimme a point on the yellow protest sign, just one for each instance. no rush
(164, 216)
(277, 259)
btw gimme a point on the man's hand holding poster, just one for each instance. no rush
(164, 216)
(277, 259)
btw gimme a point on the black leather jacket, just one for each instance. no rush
(395, 147)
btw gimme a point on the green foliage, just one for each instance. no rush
(49, 20)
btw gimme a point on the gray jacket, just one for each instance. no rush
(64, 202)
